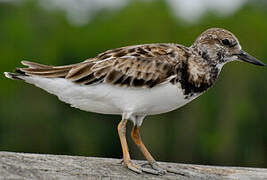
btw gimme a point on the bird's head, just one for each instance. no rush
(219, 46)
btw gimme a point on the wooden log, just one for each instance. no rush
(40, 166)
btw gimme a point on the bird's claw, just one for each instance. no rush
(139, 169)
(163, 170)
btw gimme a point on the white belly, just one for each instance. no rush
(109, 99)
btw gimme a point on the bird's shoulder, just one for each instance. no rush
(173, 51)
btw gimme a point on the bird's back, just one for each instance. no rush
(132, 66)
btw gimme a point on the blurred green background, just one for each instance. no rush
(225, 126)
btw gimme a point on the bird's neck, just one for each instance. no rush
(196, 75)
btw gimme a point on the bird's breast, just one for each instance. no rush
(195, 77)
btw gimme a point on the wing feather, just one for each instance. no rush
(125, 71)
(132, 66)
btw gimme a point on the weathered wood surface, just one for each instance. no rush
(37, 166)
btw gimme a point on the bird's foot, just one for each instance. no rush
(139, 169)
(163, 170)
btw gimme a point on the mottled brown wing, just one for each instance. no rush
(124, 71)
(134, 66)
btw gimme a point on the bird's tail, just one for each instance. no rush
(16, 75)
(41, 70)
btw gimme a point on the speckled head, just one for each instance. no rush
(219, 46)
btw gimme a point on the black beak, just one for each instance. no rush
(248, 58)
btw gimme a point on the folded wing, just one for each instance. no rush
(132, 66)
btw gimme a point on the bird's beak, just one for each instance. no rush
(243, 56)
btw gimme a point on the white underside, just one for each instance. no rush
(108, 99)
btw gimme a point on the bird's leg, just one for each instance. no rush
(124, 146)
(126, 156)
(138, 141)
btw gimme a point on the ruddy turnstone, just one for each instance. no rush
(141, 80)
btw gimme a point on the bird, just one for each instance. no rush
(139, 80)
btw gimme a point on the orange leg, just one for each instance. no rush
(155, 166)
(138, 141)
(126, 156)
(124, 146)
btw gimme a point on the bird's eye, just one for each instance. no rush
(226, 42)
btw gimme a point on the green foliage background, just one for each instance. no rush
(225, 126)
